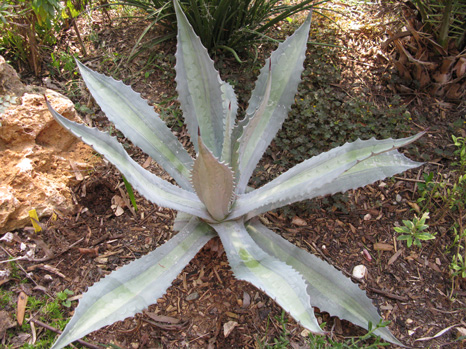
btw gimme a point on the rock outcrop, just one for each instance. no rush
(36, 153)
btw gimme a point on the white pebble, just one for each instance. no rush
(359, 271)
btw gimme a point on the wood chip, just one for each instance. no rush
(92, 252)
(299, 221)
(246, 300)
(380, 246)
(233, 315)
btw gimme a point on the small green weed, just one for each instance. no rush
(63, 297)
(282, 341)
(129, 190)
(414, 231)
(41, 308)
(6, 299)
(323, 342)
(444, 197)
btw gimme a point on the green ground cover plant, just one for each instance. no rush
(43, 308)
(443, 197)
(413, 232)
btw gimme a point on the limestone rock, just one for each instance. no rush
(9, 80)
(35, 155)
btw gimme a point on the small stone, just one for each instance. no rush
(229, 327)
(398, 198)
(192, 296)
(305, 333)
(359, 271)
(8, 238)
(101, 260)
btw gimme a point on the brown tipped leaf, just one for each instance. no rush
(213, 182)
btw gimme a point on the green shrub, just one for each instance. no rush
(223, 24)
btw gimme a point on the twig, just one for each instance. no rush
(388, 294)
(420, 181)
(45, 259)
(53, 329)
(395, 37)
(20, 266)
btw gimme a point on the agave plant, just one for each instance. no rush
(212, 193)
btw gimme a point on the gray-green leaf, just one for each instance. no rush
(147, 184)
(330, 289)
(135, 286)
(140, 123)
(280, 281)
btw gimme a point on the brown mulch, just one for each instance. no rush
(411, 287)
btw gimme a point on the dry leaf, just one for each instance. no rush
(147, 163)
(77, 172)
(228, 327)
(53, 270)
(21, 307)
(117, 205)
(437, 334)
(415, 207)
(162, 318)
(395, 257)
(461, 331)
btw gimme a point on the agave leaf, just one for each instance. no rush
(213, 182)
(204, 97)
(140, 123)
(286, 67)
(136, 285)
(251, 124)
(226, 149)
(331, 291)
(147, 184)
(280, 281)
(347, 167)
(181, 220)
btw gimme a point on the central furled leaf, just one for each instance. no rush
(213, 182)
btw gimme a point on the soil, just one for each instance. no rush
(411, 287)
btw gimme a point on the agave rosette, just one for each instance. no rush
(212, 193)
